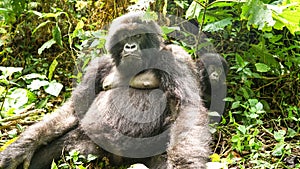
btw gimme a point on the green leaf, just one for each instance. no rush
(193, 11)
(2, 31)
(181, 4)
(52, 69)
(37, 13)
(235, 104)
(259, 106)
(35, 76)
(252, 102)
(91, 157)
(220, 4)
(213, 113)
(54, 88)
(287, 15)
(167, 29)
(253, 116)
(235, 138)
(36, 84)
(244, 91)
(278, 149)
(52, 15)
(46, 45)
(257, 14)
(291, 133)
(216, 26)
(56, 33)
(53, 165)
(239, 60)
(242, 129)
(228, 99)
(2, 90)
(81, 167)
(279, 135)
(31, 97)
(260, 67)
(40, 25)
(16, 99)
(264, 55)
(78, 27)
(8, 71)
(4, 81)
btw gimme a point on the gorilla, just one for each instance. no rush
(141, 103)
(212, 70)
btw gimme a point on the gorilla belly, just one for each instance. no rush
(127, 121)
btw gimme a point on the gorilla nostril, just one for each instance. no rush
(130, 47)
(134, 46)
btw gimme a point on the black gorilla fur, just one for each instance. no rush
(105, 116)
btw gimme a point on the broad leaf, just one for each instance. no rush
(40, 25)
(35, 76)
(193, 11)
(278, 149)
(52, 69)
(54, 88)
(216, 26)
(257, 14)
(287, 14)
(16, 99)
(53, 165)
(36, 84)
(56, 33)
(78, 27)
(260, 67)
(167, 29)
(46, 45)
(242, 129)
(279, 135)
(8, 71)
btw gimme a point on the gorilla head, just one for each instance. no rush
(129, 38)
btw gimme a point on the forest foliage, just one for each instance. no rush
(45, 47)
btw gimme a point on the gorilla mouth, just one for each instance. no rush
(131, 55)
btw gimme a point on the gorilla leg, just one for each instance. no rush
(73, 140)
(190, 137)
(52, 127)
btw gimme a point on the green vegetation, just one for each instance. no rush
(44, 48)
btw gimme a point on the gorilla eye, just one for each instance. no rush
(138, 36)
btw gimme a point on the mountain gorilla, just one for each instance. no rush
(140, 103)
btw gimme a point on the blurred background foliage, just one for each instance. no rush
(45, 46)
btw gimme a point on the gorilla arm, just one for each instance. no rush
(59, 122)
(190, 136)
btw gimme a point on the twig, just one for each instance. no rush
(13, 123)
(23, 115)
(220, 135)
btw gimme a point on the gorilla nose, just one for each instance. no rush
(214, 76)
(130, 47)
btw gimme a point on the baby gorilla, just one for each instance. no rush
(140, 103)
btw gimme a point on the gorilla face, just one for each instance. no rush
(135, 52)
(131, 40)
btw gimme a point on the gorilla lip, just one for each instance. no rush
(131, 55)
